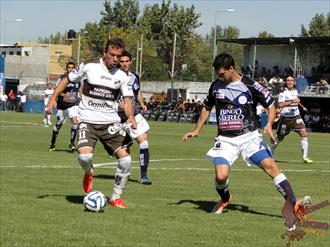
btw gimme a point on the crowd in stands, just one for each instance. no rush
(317, 123)
(273, 79)
(180, 110)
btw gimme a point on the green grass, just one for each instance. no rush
(41, 193)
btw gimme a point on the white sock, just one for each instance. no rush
(304, 146)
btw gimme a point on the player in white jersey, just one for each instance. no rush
(290, 119)
(141, 132)
(235, 98)
(47, 93)
(98, 118)
(67, 106)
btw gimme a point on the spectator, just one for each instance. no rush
(21, 101)
(276, 84)
(4, 99)
(323, 86)
(11, 101)
(263, 81)
(301, 82)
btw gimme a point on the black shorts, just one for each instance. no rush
(287, 124)
(110, 135)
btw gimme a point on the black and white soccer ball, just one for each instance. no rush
(95, 201)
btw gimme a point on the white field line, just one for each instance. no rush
(111, 165)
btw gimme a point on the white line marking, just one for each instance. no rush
(111, 165)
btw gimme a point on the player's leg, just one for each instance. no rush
(60, 115)
(140, 134)
(87, 138)
(260, 155)
(73, 115)
(301, 129)
(283, 129)
(144, 158)
(222, 155)
(116, 144)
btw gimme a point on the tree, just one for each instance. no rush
(124, 14)
(160, 22)
(265, 34)
(319, 26)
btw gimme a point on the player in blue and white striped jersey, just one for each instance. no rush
(140, 133)
(235, 98)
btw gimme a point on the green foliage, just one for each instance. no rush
(58, 38)
(124, 14)
(265, 34)
(160, 22)
(318, 27)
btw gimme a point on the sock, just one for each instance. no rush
(121, 177)
(223, 190)
(48, 117)
(54, 135)
(283, 186)
(73, 133)
(304, 146)
(144, 158)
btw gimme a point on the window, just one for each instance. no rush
(18, 53)
(3, 53)
(11, 53)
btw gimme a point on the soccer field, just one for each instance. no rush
(41, 192)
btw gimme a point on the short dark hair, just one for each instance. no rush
(126, 54)
(223, 60)
(70, 63)
(115, 43)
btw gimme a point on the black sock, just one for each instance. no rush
(73, 134)
(144, 161)
(54, 135)
(223, 190)
(283, 186)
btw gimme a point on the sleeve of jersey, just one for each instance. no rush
(209, 101)
(126, 87)
(77, 74)
(281, 98)
(262, 95)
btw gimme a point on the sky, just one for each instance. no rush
(41, 18)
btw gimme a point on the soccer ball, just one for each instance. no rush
(95, 201)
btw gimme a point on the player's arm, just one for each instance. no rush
(270, 120)
(205, 112)
(129, 111)
(59, 89)
(140, 100)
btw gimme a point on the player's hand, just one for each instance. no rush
(188, 135)
(132, 123)
(268, 130)
(144, 107)
(51, 104)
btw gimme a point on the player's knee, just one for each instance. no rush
(221, 184)
(124, 165)
(85, 161)
(58, 126)
(221, 178)
(144, 144)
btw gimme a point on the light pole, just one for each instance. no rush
(215, 50)
(79, 44)
(5, 27)
(172, 73)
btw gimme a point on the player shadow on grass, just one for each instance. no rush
(112, 177)
(64, 150)
(208, 206)
(78, 199)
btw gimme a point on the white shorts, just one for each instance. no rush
(62, 114)
(142, 127)
(251, 146)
